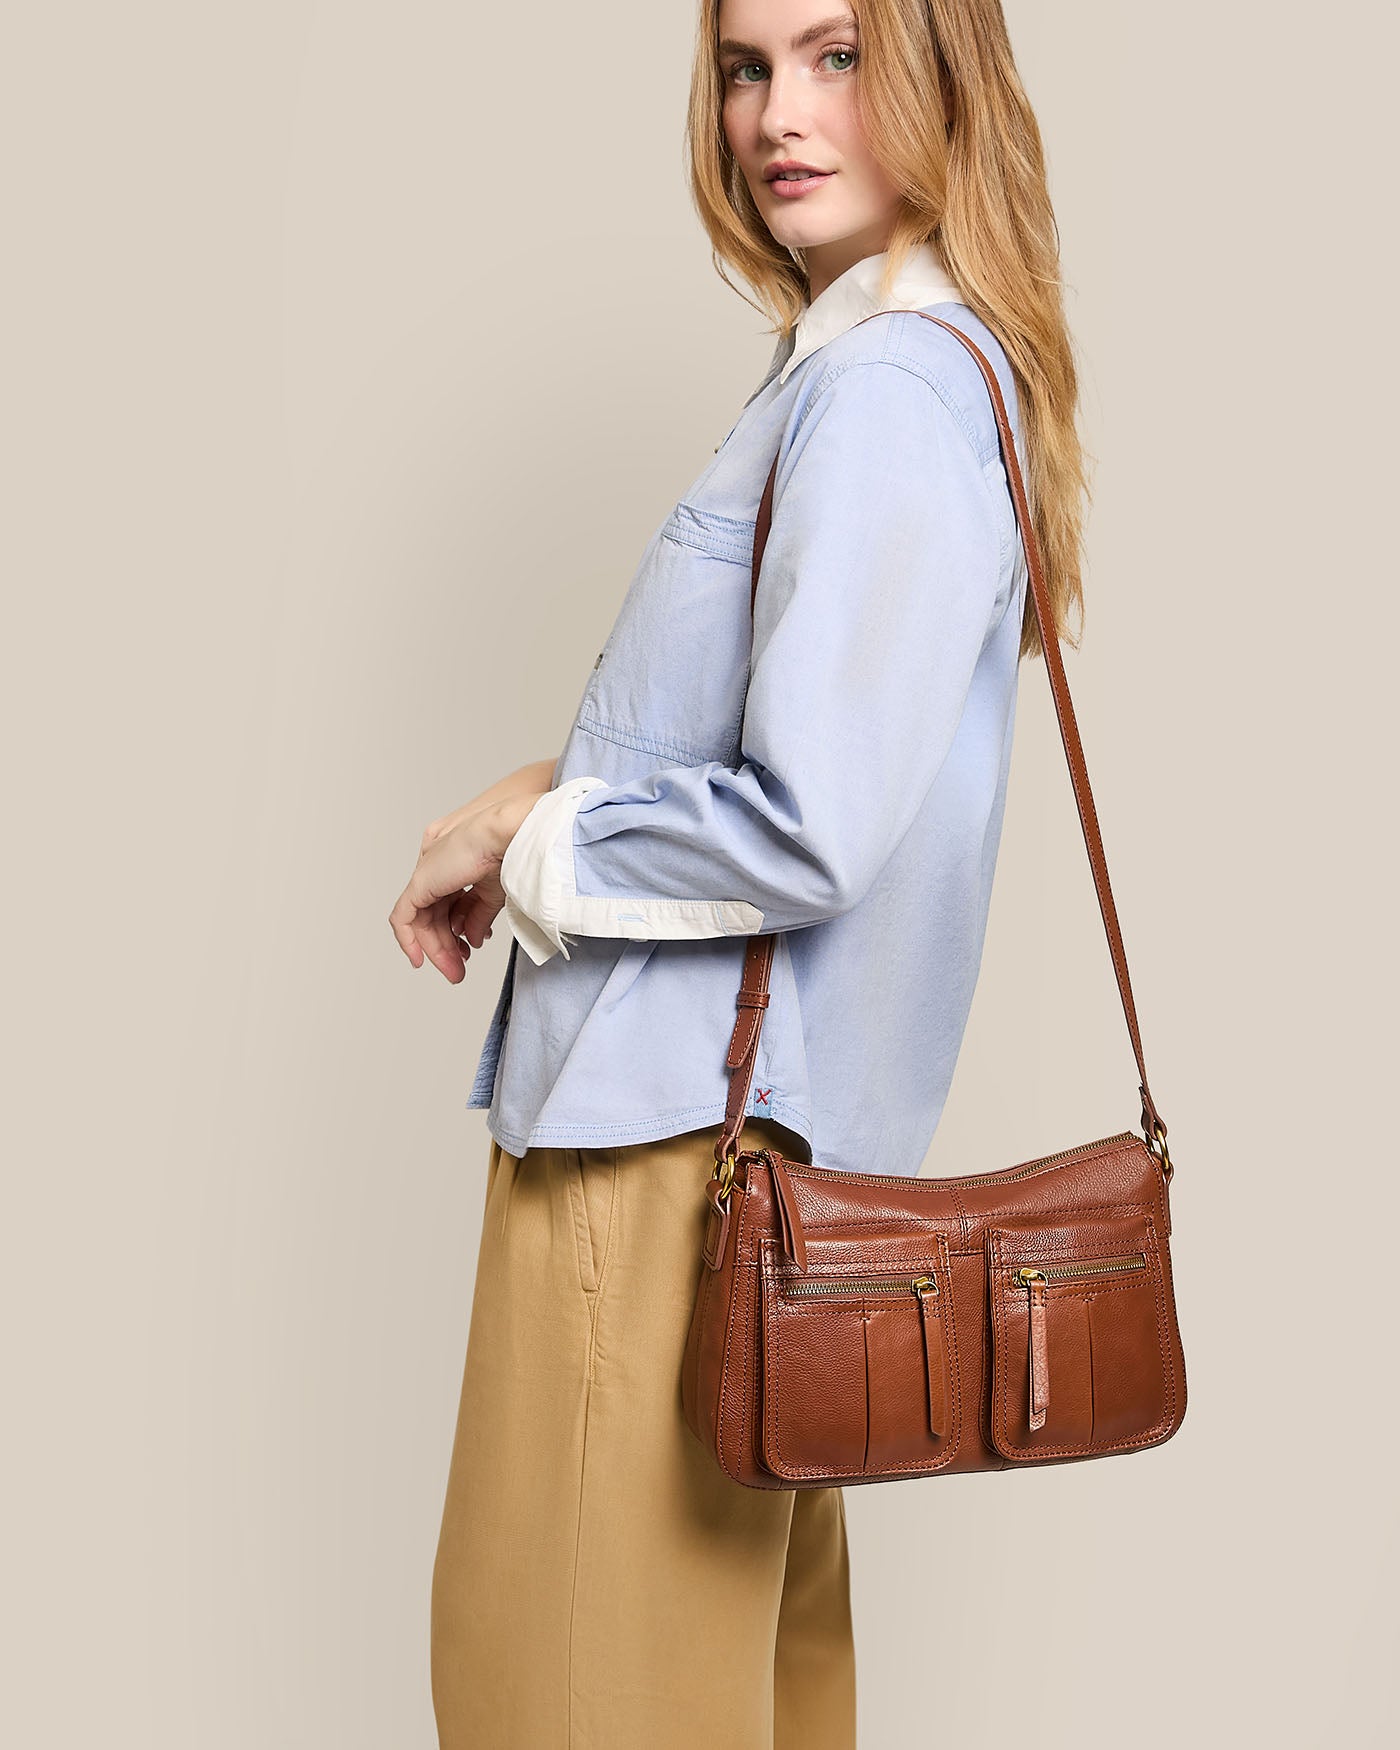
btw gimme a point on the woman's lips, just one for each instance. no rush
(790, 188)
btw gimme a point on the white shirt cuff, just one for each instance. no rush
(530, 871)
(542, 898)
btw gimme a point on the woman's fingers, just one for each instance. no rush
(471, 915)
(439, 943)
(454, 893)
(424, 934)
(444, 932)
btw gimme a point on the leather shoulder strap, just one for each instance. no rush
(758, 958)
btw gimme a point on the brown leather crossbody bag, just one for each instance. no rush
(863, 1327)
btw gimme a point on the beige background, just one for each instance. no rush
(315, 414)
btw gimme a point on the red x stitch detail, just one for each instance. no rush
(763, 1094)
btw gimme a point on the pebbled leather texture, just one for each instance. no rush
(858, 1328)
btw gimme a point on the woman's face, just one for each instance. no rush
(789, 69)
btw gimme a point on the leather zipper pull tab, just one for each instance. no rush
(935, 1355)
(1037, 1347)
(717, 1224)
(789, 1220)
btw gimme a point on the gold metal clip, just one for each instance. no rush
(1157, 1142)
(724, 1172)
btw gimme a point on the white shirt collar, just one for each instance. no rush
(851, 297)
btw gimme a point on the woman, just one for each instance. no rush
(831, 769)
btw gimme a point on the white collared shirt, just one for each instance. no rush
(536, 873)
(850, 298)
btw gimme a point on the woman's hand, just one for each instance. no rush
(434, 918)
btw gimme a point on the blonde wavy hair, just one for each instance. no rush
(975, 187)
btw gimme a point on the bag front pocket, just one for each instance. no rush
(1082, 1361)
(859, 1364)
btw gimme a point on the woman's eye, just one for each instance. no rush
(740, 74)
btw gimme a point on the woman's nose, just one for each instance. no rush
(785, 112)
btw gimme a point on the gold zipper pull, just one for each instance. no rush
(935, 1354)
(1033, 1281)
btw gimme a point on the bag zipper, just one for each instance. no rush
(1036, 1166)
(888, 1284)
(1005, 1176)
(1023, 1274)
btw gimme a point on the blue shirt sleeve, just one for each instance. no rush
(877, 592)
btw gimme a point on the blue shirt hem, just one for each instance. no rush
(651, 1129)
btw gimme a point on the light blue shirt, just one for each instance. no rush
(844, 789)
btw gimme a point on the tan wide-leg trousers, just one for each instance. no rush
(600, 1583)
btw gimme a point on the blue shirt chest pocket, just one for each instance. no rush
(671, 678)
